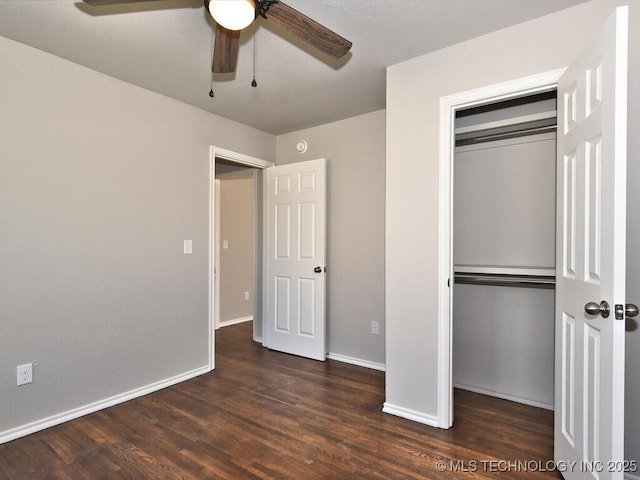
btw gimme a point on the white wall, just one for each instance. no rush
(414, 89)
(100, 183)
(355, 152)
(236, 273)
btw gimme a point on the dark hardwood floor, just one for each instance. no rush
(263, 414)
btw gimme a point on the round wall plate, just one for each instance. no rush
(301, 146)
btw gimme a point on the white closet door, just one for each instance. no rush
(589, 420)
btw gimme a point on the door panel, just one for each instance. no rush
(295, 295)
(592, 97)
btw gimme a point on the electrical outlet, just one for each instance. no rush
(24, 374)
(246, 295)
(375, 327)
(188, 247)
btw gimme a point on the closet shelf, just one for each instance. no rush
(539, 123)
(508, 122)
(506, 269)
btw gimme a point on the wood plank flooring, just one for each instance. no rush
(267, 415)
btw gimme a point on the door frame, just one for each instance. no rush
(249, 161)
(449, 105)
(216, 254)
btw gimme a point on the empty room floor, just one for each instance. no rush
(265, 415)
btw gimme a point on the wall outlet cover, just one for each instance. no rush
(24, 374)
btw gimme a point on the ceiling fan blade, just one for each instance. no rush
(225, 50)
(308, 30)
(104, 3)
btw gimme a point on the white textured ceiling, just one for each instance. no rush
(166, 47)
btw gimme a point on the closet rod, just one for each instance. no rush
(505, 280)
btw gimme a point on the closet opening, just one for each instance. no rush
(504, 221)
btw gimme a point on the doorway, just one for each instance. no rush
(238, 161)
(504, 217)
(449, 106)
(590, 262)
(236, 243)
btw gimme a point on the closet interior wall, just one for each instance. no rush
(504, 250)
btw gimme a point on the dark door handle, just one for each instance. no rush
(320, 269)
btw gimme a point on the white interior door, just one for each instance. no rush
(589, 371)
(295, 264)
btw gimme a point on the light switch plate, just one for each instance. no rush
(188, 247)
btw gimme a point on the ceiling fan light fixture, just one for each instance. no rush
(233, 14)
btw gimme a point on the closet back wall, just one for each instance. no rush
(504, 221)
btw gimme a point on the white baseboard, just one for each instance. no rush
(409, 414)
(356, 361)
(258, 340)
(235, 321)
(505, 396)
(62, 417)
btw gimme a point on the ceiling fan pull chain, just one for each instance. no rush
(254, 84)
(211, 56)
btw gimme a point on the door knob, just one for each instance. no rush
(630, 310)
(319, 269)
(592, 308)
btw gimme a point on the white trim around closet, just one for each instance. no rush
(448, 106)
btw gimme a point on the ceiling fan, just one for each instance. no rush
(232, 16)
